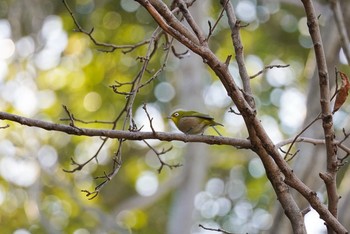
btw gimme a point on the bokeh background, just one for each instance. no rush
(45, 63)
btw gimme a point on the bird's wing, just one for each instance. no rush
(198, 115)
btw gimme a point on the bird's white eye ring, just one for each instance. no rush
(176, 114)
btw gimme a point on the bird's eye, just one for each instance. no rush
(176, 114)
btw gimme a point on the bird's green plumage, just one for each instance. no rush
(193, 122)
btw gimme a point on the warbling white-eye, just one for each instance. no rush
(193, 122)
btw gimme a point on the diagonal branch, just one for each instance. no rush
(299, 134)
(196, 29)
(212, 28)
(168, 22)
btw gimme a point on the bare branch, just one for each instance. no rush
(212, 28)
(71, 117)
(106, 177)
(299, 134)
(196, 29)
(327, 119)
(228, 59)
(115, 90)
(130, 96)
(342, 160)
(80, 166)
(118, 134)
(6, 126)
(336, 84)
(215, 229)
(346, 135)
(109, 47)
(88, 122)
(238, 46)
(306, 211)
(158, 154)
(89, 194)
(231, 110)
(276, 167)
(161, 69)
(179, 55)
(311, 141)
(268, 67)
(342, 28)
(164, 17)
(149, 118)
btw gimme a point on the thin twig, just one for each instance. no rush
(110, 47)
(88, 122)
(150, 119)
(106, 177)
(180, 55)
(71, 117)
(268, 67)
(231, 110)
(215, 229)
(212, 28)
(289, 154)
(80, 166)
(228, 59)
(310, 141)
(342, 159)
(6, 126)
(336, 84)
(346, 136)
(306, 211)
(299, 134)
(158, 154)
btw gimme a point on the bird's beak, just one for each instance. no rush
(168, 117)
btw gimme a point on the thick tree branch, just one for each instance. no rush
(327, 119)
(117, 134)
(262, 144)
(196, 29)
(167, 20)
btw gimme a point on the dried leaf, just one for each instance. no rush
(342, 93)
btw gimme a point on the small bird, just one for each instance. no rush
(193, 122)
